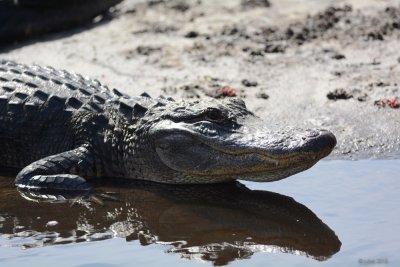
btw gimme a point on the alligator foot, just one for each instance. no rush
(57, 172)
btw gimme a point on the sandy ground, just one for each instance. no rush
(283, 57)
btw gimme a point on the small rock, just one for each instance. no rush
(375, 62)
(146, 50)
(274, 48)
(248, 83)
(192, 34)
(262, 95)
(375, 36)
(182, 7)
(51, 223)
(337, 73)
(155, 2)
(256, 53)
(362, 98)
(338, 56)
(382, 84)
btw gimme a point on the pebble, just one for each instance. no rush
(51, 223)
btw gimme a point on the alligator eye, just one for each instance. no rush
(214, 114)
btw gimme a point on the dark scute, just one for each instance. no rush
(70, 86)
(95, 106)
(55, 102)
(15, 71)
(74, 103)
(29, 73)
(84, 91)
(144, 94)
(18, 80)
(56, 81)
(41, 95)
(44, 78)
(139, 110)
(126, 110)
(118, 93)
(99, 99)
(8, 89)
(32, 85)
(20, 96)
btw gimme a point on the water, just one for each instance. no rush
(339, 213)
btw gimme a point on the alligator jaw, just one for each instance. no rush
(259, 155)
(265, 167)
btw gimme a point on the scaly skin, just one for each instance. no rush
(61, 128)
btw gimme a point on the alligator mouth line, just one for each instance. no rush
(315, 155)
(281, 162)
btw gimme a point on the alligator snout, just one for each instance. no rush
(326, 138)
(318, 141)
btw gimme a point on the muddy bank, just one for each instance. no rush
(308, 65)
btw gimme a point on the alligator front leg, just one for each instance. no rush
(58, 172)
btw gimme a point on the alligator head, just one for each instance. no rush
(213, 141)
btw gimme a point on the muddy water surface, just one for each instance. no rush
(339, 213)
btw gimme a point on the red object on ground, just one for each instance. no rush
(391, 102)
(226, 91)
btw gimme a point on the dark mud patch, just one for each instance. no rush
(255, 3)
(342, 94)
(338, 94)
(342, 24)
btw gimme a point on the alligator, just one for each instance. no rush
(60, 128)
(23, 19)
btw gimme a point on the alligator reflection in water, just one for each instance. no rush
(218, 223)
